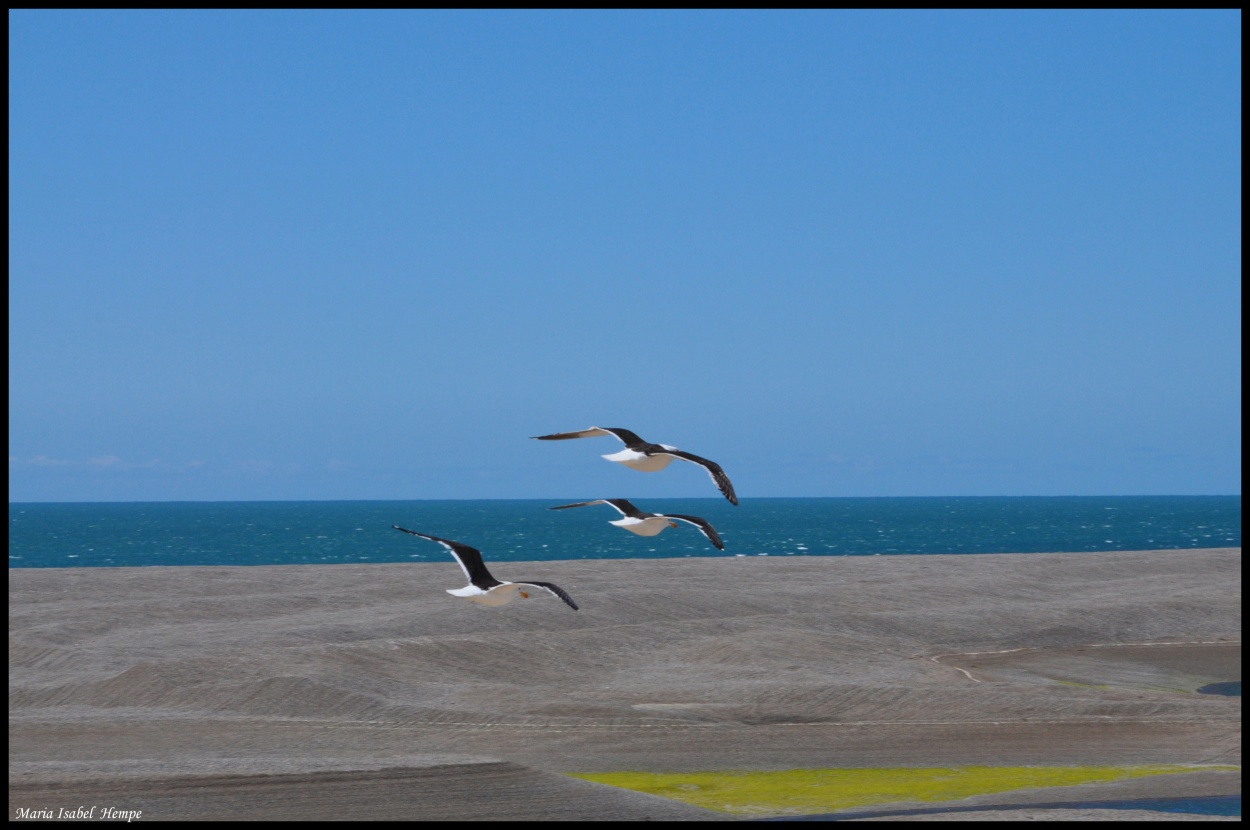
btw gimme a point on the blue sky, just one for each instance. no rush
(366, 255)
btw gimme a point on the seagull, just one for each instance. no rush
(483, 588)
(650, 524)
(647, 457)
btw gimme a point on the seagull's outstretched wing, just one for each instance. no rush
(623, 506)
(627, 508)
(554, 590)
(703, 526)
(625, 436)
(470, 559)
(713, 469)
(578, 504)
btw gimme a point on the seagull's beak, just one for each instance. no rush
(672, 523)
(524, 595)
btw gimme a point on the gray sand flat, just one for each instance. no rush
(1160, 666)
(413, 791)
(182, 674)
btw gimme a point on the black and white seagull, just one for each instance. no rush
(483, 588)
(647, 457)
(650, 524)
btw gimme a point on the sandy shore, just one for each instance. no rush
(365, 691)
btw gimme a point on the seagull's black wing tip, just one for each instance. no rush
(558, 436)
(553, 589)
(567, 506)
(568, 600)
(714, 538)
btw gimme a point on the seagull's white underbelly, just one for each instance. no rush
(499, 595)
(640, 461)
(643, 527)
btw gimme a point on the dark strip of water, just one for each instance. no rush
(1212, 805)
(296, 533)
(1228, 688)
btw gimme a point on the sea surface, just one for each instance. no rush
(326, 532)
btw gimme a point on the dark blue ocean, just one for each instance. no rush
(326, 532)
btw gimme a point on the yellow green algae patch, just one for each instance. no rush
(803, 791)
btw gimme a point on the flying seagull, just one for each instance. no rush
(649, 524)
(483, 588)
(643, 455)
